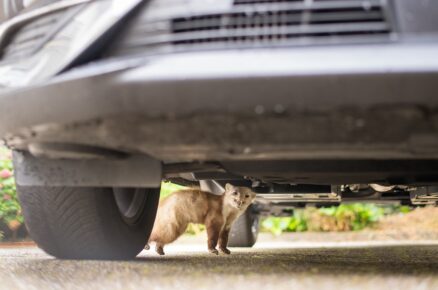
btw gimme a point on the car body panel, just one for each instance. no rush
(331, 99)
(84, 29)
(264, 92)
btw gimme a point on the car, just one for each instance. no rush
(307, 102)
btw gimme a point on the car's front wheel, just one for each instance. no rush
(89, 223)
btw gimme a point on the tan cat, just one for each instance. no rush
(216, 212)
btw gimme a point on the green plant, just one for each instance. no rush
(10, 211)
(194, 229)
(351, 217)
(277, 225)
(346, 217)
(168, 187)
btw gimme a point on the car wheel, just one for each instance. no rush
(245, 230)
(89, 223)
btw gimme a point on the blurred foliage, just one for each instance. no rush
(167, 188)
(345, 217)
(10, 211)
(194, 229)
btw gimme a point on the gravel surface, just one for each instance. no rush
(275, 263)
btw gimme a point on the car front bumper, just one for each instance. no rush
(361, 101)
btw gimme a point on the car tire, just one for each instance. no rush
(245, 230)
(89, 223)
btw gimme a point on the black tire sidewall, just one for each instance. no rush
(84, 223)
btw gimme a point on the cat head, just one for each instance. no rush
(238, 197)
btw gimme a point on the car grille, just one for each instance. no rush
(31, 36)
(261, 23)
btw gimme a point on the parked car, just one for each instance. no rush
(306, 102)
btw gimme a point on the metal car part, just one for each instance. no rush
(9, 26)
(211, 186)
(364, 86)
(382, 188)
(107, 99)
(427, 195)
(30, 37)
(133, 171)
(78, 41)
(225, 24)
(10, 8)
(299, 197)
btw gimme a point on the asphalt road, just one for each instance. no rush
(271, 265)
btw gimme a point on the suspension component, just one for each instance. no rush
(427, 195)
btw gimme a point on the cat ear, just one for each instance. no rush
(229, 187)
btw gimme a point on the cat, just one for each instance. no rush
(216, 212)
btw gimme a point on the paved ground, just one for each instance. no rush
(272, 264)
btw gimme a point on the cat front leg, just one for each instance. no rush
(223, 241)
(213, 229)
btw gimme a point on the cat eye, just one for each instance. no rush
(246, 196)
(234, 193)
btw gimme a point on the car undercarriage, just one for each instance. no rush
(307, 102)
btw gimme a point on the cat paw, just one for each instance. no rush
(224, 251)
(213, 251)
